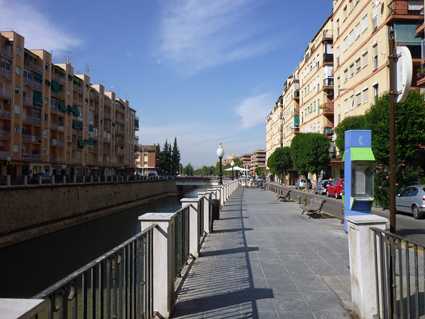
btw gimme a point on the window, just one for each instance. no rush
(345, 75)
(364, 23)
(18, 70)
(337, 56)
(346, 105)
(352, 69)
(357, 30)
(358, 98)
(351, 37)
(358, 64)
(375, 92)
(337, 27)
(44, 151)
(6, 65)
(18, 51)
(352, 102)
(339, 114)
(45, 134)
(365, 58)
(375, 17)
(46, 117)
(375, 57)
(345, 43)
(351, 5)
(365, 95)
(16, 128)
(16, 148)
(17, 90)
(17, 109)
(345, 12)
(47, 66)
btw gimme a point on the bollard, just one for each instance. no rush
(299, 199)
(305, 201)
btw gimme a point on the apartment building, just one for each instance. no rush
(274, 128)
(258, 159)
(147, 159)
(345, 68)
(246, 159)
(52, 120)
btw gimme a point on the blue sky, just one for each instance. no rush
(204, 71)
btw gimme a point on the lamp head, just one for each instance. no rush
(232, 163)
(220, 151)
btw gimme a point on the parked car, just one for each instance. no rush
(335, 187)
(45, 178)
(412, 200)
(300, 183)
(321, 186)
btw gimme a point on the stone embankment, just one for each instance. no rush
(31, 211)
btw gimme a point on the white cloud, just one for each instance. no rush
(253, 110)
(39, 33)
(197, 35)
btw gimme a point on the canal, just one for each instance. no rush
(29, 267)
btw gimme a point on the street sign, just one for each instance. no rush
(403, 73)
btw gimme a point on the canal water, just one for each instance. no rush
(29, 267)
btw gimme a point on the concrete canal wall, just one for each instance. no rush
(31, 211)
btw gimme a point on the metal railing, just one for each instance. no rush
(118, 284)
(400, 281)
(181, 232)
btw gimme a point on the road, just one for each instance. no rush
(406, 225)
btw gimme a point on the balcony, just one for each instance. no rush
(5, 113)
(328, 82)
(61, 127)
(36, 121)
(296, 94)
(78, 88)
(53, 158)
(36, 85)
(36, 139)
(33, 66)
(61, 144)
(4, 155)
(53, 141)
(6, 73)
(6, 93)
(36, 157)
(328, 58)
(26, 137)
(77, 161)
(7, 51)
(5, 133)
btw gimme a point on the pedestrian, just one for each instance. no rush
(331, 179)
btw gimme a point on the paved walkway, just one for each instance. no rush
(266, 260)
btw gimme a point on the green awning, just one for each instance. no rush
(360, 154)
(91, 141)
(55, 86)
(59, 69)
(76, 81)
(80, 142)
(75, 110)
(87, 87)
(61, 118)
(38, 100)
(405, 34)
(90, 128)
(136, 123)
(77, 125)
(87, 100)
(69, 108)
(38, 76)
(62, 105)
(47, 82)
(296, 120)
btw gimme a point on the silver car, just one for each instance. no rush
(412, 200)
(321, 186)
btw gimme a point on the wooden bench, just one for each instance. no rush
(285, 197)
(315, 207)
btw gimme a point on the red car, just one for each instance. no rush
(335, 187)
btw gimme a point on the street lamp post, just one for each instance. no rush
(232, 164)
(143, 161)
(220, 154)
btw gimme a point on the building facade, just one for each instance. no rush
(55, 121)
(258, 159)
(147, 159)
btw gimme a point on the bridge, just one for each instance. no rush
(198, 181)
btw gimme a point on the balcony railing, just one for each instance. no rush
(6, 73)
(26, 137)
(4, 154)
(7, 51)
(6, 114)
(36, 85)
(36, 139)
(328, 82)
(5, 133)
(6, 93)
(61, 144)
(36, 157)
(36, 121)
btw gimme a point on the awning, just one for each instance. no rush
(55, 86)
(69, 77)
(360, 154)
(70, 109)
(59, 69)
(91, 141)
(87, 87)
(38, 100)
(47, 82)
(405, 34)
(90, 128)
(62, 105)
(77, 125)
(38, 76)
(80, 142)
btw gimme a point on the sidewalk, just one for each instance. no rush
(266, 260)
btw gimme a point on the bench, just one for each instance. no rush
(315, 207)
(285, 197)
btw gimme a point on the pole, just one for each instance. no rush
(220, 175)
(392, 58)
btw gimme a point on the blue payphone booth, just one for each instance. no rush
(358, 158)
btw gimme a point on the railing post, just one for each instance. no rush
(91, 179)
(194, 216)
(163, 260)
(219, 194)
(52, 178)
(206, 197)
(75, 179)
(40, 181)
(64, 179)
(362, 263)
(22, 308)
(25, 180)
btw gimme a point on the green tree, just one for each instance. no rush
(175, 157)
(357, 122)
(188, 170)
(281, 161)
(260, 171)
(299, 153)
(165, 158)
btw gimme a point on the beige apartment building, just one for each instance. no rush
(52, 120)
(345, 68)
(274, 128)
(258, 159)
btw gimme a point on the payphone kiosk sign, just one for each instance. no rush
(358, 158)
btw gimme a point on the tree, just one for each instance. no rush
(310, 152)
(260, 171)
(175, 156)
(165, 158)
(188, 170)
(281, 161)
(357, 122)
